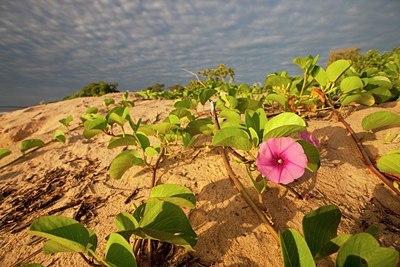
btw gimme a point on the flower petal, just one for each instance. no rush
(295, 155)
(291, 172)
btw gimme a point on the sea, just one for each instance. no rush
(5, 109)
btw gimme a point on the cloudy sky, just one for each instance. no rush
(50, 49)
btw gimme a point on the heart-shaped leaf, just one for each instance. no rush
(320, 226)
(364, 250)
(166, 222)
(233, 137)
(118, 141)
(295, 250)
(59, 136)
(336, 69)
(206, 94)
(69, 234)
(350, 84)
(66, 121)
(4, 152)
(200, 126)
(380, 119)
(284, 124)
(118, 252)
(30, 143)
(312, 154)
(122, 162)
(176, 194)
(390, 162)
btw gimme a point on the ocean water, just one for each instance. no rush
(5, 109)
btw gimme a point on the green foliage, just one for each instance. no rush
(390, 162)
(66, 121)
(380, 119)
(59, 136)
(30, 143)
(294, 250)
(95, 89)
(284, 124)
(119, 252)
(363, 250)
(321, 240)
(4, 152)
(123, 162)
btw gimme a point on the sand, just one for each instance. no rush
(66, 179)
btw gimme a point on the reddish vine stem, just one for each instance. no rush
(364, 154)
(239, 186)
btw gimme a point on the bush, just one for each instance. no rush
(95, 89)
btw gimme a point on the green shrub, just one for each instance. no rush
(95, 89)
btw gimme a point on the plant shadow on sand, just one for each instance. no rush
(222, 218)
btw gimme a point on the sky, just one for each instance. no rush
(51, 49)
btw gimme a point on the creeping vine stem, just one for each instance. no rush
(364, 154)
(239, 186)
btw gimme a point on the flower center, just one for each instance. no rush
(280, 161)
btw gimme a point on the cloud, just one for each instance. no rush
(63, 45)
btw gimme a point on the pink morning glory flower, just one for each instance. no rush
(307, 136)
(281, 160)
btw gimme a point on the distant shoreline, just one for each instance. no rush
(5, 109)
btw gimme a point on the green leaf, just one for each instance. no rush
(176, 194)
(350, 84)
(118, 141)
(91, 110)
(332, 246)
(4, 152)
(30, 143)
(276, 81)
(295, 250)
(173, 119)
(206, 94)
(280, 99)
(143, 140)
(256, 120)
(118, 252)
(165, 127)
(260, 183)
(380, 119)
(182, 113)
(232, 137)
(200, 126)
(336, 69)
(230, 101)
(389, 163)
(247, 104)
(59, 136)
(166, 222)
(125, 221)
(94, 126)
(364, 250)
(284, 124)
(320, 226)
(66, 121)
(69, 234)
(151, 152)
(320, 75)
(122, 162)
(118, 115)
(365, 99)
(312, 154)
(108, 101)
(184, 103)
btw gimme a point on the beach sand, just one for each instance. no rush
(229, 232)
